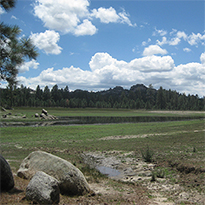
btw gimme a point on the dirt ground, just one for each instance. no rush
(131, 184)
(161, 191)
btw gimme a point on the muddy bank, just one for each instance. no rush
(119, 165)
(126, 167)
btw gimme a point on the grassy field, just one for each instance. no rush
(176, 145)
(17, 113)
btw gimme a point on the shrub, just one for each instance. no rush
(147, 155)
(153, 179)
(160, 173)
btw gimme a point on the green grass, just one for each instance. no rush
(30, 112)
(169, 140)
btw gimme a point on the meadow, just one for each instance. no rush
(177, 146)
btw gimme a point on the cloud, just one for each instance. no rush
(187, 50)
(110, 16)
(144, 43)
(106, 15)
(153, 64)
(154, 49)
(124, 18)
(2, 11)
(194, 39)
(182, 34)
(160, 32)
(202, 58)
(74, 17)
(13, 17)
(164, 41)
(61, 15)
(174, 41)
(47, 41)
(86, 28)
(27, 65)
(106, 71)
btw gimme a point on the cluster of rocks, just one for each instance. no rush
(4, 110)
(49, 177)
(44, 115)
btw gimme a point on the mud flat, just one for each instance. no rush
(125, 167)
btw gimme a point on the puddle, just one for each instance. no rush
(108, 171)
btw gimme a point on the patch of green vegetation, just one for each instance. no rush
(172, 142)
(147, 154)
(29, 112)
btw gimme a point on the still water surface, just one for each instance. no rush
(95, 120)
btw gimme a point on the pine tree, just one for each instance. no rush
(13, 51)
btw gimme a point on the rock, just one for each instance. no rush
(44, 112)
(184, 196)
(71, 180)
(3, 109)
(42, 115)
(24, 116)
(43, 189)
(6, 176)
(36, 115)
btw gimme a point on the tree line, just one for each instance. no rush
(137, 97)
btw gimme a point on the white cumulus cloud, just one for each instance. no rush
(74, 17)
(106, 71)
(110, 16)
(153, 63)
(154, 49)
(105, 15)
(47, 41)
(202, 58)
(86, 28)
(27, 65)
(61, 15)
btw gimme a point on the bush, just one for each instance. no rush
(160, 173)
(147, 155)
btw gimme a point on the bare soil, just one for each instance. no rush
(177, 189)
(132, 186)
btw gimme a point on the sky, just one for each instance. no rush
(99, 44)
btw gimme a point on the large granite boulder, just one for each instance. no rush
(6, 176)
(43, 189)
(71, 180)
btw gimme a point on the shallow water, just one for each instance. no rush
(108, 171)
(94, 120)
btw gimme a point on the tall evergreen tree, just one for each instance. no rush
(13, 51)
(160, 101)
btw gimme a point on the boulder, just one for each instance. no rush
(71, 180)
(44, 112)
(6, 176)
(36, 115)
(43, 189)
(24, 116)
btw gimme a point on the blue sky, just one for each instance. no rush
(96, 45)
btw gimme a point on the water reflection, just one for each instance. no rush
(95, 120)
(108, 171)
